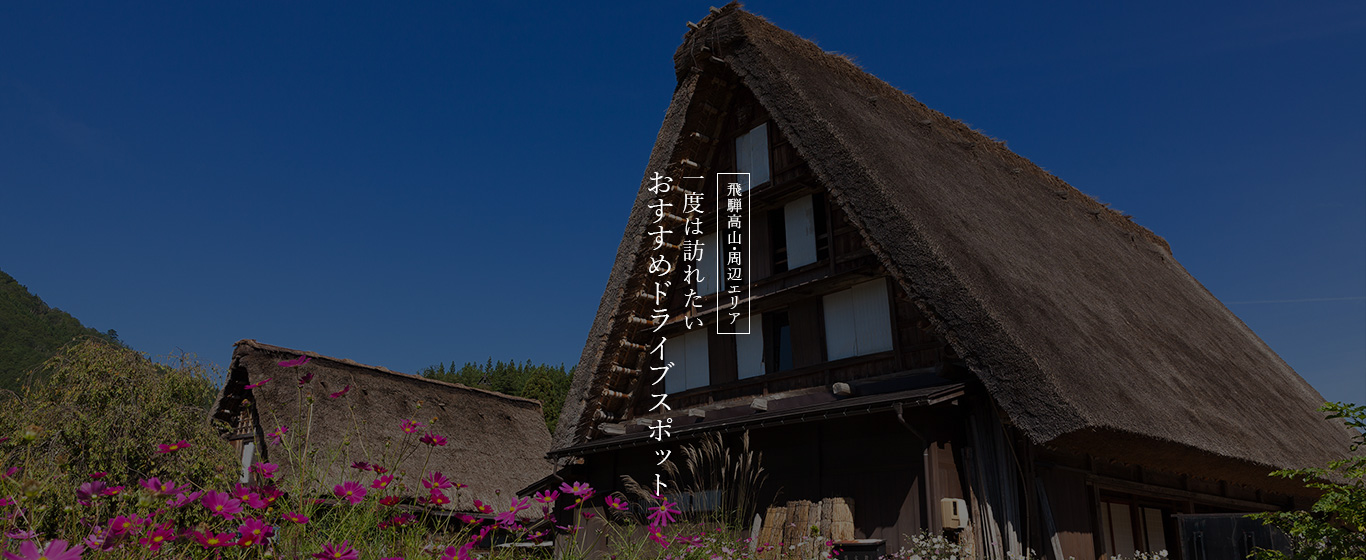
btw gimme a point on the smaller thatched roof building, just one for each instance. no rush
(495, 443)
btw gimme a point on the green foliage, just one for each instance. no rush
(104, 408)
(545, 383)
(31, 332)
(1335, 527)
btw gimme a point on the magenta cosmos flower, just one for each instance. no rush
(509, 516)
(221, 504)
(297, 518)
(157, 537)
(664, 513)
(182, 499)
(350, 491)
(439, 498)
(382, 482)
(56, 550)
(162, 487)
(266, 470)
(580, 489)
(172, 447)
(616, 503)
(433, 440)
(342, 551)
(278, 435)
(339, 394)
(254, 531)
(436, 481)
(255, 385)
(410, 426)
(210, 539)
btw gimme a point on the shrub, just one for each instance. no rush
(1335, 527)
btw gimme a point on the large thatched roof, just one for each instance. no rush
(496, 442)
(1080, 323)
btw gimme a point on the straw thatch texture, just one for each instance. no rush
(1075, 319)
(496, 442)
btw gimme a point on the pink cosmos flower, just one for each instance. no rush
(56, 550)
(338, 552)
(438, 498)
(96, 538)
(433, 440)
(389, 500)
(378, 469)
(278, 435)
(548, 496)
(122, 524)
(266, 470)
(221, 504)
(350, 491)
(172, 447)
(580, 489)
(482, 507)
(210, 539)
(410, 426)
(382, 482)
(182, 499)
(664, 513)
(616, 503)
(301, 360)
(157, 537)
(111, 491)
(362, 466)
(580, 499)
(657, 535)
(344, 391)
(22, 535)
(255, 531)
(162, 487)
(255, 385)
(509, 516)
(9, 472)
(89, 490)
(300, 519)
(305, 379)
(436, 481)
(98, 475)
(269, 493)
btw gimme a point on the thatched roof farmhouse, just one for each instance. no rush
(946, 320)
(494, 442)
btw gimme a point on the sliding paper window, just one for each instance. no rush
(691, 363)
(858, 321)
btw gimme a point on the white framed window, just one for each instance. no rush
(799, 223)
(751, 155)
(858, 320)
(691, 363)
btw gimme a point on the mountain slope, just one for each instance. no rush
(31, 332)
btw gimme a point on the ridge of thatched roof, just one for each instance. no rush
(495, 442)
(1078, 322)
(251, 342)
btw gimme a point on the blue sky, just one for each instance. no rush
(422, 182)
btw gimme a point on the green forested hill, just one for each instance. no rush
(31, 332)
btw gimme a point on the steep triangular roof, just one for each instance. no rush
(1080, 323)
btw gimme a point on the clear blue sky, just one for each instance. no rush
(402, 184)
